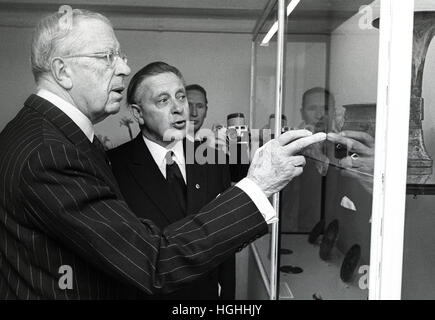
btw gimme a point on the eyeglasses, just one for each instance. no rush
(110, 56)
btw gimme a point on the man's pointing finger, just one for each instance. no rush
(298, 145)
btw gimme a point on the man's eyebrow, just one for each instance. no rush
(166, 93)
(163, 93)
(181, 90)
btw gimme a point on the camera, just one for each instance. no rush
(236, 130)
(237, 138)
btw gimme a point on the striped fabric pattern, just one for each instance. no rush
(60, 205)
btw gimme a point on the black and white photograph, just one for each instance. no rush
(211, 157)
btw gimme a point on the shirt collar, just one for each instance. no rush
(159, 155)
(71, 111)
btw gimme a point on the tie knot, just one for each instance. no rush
(170, 158)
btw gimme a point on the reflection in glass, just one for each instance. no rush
(331, 68)
(331, 86)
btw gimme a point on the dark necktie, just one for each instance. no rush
(175, 180)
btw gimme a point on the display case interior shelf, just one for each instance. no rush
(319, 279)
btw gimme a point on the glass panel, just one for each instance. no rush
(331, 86)
(419, 244)
(263, 107)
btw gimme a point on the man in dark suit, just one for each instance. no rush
(141, 173)
(65, 230)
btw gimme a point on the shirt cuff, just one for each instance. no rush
(259, 199)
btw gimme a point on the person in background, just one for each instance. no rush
(198, 105)
(317, 106)
(215, 138)
(299, 212)
(317, 112)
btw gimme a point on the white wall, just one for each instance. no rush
(219, 62)
(16, 80)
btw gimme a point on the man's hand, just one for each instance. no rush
(360, 159)
(317, 153)
(277, 162)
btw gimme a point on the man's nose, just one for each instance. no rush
(122, 68)
(193, 110)
(178, 106)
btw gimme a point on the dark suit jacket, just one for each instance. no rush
(60, 205)
(144, 187)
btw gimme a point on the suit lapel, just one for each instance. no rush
(74, 134)
(196, 175)
(148, 176)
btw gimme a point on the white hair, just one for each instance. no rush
(52, 38)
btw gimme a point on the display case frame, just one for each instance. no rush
(390, 169)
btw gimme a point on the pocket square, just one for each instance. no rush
(347, 203)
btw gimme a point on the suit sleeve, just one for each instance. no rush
(65, 195)
(227, 270)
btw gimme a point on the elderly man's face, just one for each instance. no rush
(162, 109)
(313, 111)
(197, 108)
(97, 87)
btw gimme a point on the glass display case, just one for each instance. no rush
(326, 66)
(419, 255)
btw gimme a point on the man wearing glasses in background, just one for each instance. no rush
(61, 210)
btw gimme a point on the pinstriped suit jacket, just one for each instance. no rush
(60, 205)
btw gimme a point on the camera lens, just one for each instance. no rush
(340, 151)
(232, 134)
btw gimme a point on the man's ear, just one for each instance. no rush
(61, 73)
(136, 111)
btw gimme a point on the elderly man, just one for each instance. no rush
(66, 231)
(145, 179)
(317, 104)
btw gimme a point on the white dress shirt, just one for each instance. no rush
(71, 111)
(159, 155)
